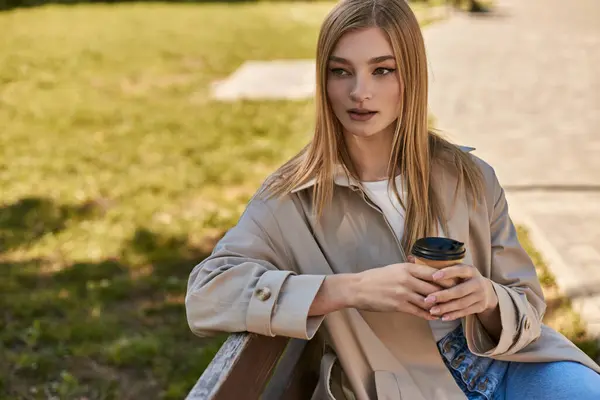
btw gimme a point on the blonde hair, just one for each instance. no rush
(415, 148)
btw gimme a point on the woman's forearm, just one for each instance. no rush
(490, 318)
(491, 322)
(335, 293)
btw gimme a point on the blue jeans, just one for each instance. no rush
(483, 378)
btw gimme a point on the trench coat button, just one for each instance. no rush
(263, 294)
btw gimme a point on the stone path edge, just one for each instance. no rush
(555, 262)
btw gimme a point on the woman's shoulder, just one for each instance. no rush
(487, 170)
(264, 203)
(471, 164)
(492, 189)
(447, 155)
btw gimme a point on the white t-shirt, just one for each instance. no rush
(386, 200)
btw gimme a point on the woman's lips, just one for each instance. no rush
(361, 115)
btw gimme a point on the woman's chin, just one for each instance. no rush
(361, 132)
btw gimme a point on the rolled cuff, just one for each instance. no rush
(284, 310)
(263, 300)
(480, 342)
(291, 312)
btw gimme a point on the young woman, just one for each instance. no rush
(321, 251)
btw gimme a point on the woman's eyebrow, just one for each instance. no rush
(374, 60)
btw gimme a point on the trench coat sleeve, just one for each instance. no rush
(514, 278)
(247, 284)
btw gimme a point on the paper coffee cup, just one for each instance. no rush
(438, 252)
(436, 264)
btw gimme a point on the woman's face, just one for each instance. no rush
(362, 83)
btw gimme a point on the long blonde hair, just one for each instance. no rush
(415, 148)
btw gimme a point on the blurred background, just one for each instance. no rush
(120, 168)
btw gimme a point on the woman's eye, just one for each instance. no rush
(338, 72)
(383, 71)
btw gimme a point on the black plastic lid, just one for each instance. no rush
(439, 249)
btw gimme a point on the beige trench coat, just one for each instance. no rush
(277, 248)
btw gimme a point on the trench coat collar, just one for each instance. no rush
(342, 178)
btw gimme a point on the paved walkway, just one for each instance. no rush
(523, 86)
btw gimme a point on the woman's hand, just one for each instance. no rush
(396, 287)
(445, 283)
(474, 295)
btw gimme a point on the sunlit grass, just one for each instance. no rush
(117, 173)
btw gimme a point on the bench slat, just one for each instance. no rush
(240, 369)
(285, 371)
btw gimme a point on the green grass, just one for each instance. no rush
(117, 174)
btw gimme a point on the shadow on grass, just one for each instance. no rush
(112, 329)
(30, 219)
(109, 329)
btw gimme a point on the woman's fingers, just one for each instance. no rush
(423, 272)
(418, 301)
(456, 292)
(455, 305)
(422, 287)
(448, 283)
(419, 312)
(426, 273)
(473, 309)
(462, 271)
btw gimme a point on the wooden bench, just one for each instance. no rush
(250, 366)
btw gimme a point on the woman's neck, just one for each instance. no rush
(370, 155)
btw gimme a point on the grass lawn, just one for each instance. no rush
(117, 173)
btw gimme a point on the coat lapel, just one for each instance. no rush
(455, 206)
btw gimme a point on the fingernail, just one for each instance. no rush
(434, 310)
(438, 275)
(430, 299)
(446, 318)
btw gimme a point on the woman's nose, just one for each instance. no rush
(361, 90)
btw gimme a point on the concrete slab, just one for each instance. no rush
(522, 86)
(268, 80)
(287, 79)
(564, 228)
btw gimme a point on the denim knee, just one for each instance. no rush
(554, 380)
